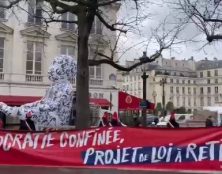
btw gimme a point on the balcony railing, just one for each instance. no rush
(92, 82)
(34, 78)
(96, 82)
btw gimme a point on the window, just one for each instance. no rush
(183, 81)
(2, 10)
(189, 102)
(171, 89)
(178, 101)
(112, 77)
(216, 81)
(194, 102)
(194, 91)
(184, 101)
(68, 17)
(216, 89)
(215, 72)
(209, 101)
(95, 95)
(189, 91)
(216, 99)
(188, 81)
(171, 80)
(201, 101)
(208, 90)
(100, 95)
(194, 82)
(95, 72)
(34, 57)
(208, 73)
(201, 90)
(2, 45)
(208, 81)
(35, 12)
(178, 81)
(96, 27)
(183, 90)
(201, 74)
(68, 50)
(177, 90)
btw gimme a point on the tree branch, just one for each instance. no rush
(111, 27)
(11, 4)
(122, 68)
(63, 7)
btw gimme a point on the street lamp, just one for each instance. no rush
(163, 81)
(144, 103)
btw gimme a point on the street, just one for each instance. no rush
(45, 170)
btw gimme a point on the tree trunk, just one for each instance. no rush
(82, 83)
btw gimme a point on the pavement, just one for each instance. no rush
(45, 170)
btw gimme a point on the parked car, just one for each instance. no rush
(151, 119)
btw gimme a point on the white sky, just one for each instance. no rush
(158, 12)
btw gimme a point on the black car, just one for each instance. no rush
(151, 120)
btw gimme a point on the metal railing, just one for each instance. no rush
(34, 78)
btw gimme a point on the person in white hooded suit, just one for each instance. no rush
(54, 109)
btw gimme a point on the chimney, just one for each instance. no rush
(191, 58)
(172, 58)
(206, 58)
(215, 59)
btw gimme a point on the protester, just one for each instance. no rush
(105, 120)
(115, 120)
(27, 124)
(53, 110)
(209, 121)
(172, 123)
(137, 122)
(2, 120)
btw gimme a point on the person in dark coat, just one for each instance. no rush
(2, 120)
(172, 122)
(209, 122)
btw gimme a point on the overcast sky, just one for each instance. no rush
(158, 12)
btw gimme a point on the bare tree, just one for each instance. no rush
(86, 11)
(205, 14)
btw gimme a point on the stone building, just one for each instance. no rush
(27, 49)
(187, 83)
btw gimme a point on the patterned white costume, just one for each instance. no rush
(54, 109)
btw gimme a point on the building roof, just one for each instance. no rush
(208, 64)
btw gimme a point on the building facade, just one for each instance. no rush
(186, 83)
(27, 48)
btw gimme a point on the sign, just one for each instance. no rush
(122, 148)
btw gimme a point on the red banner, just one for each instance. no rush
(130, 102)
(123, 148)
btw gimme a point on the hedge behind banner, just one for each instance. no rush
(122, 148)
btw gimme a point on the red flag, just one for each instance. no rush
(128, 102)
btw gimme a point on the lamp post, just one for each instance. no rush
(144, 77)
(163, 81)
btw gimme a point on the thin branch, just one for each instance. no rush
(111, 27)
